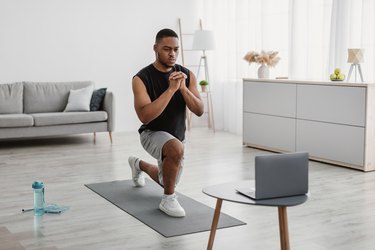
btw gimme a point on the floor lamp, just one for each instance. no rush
(355, 57)
(204, 40)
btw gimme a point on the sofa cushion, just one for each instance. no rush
(11, 98)
(16, 120)
(44, 97)
(47, 119)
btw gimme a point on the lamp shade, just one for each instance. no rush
(203, 40)
(355, 56)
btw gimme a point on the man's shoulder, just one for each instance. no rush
(146, 69)
(144, 73)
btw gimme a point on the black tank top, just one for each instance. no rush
(172, 119)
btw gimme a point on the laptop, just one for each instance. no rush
(279, 175)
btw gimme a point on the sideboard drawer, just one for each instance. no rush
(333, 142)
(269, 131)
(270, 98)
(335, 104)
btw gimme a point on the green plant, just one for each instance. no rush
(203, 83)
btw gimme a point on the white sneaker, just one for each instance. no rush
(171, 207)
(137, 174)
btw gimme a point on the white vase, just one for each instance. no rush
(263, 71)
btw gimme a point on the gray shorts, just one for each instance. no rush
(153, 142)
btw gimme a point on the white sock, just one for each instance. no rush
(137, 164)
(166, 196)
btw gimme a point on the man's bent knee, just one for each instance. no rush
(173, 149)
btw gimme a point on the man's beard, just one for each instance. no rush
(163, 63)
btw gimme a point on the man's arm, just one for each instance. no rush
(191, 95)
(145, 109)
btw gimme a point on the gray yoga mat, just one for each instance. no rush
(143, 204)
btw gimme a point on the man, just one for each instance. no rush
(162, 91)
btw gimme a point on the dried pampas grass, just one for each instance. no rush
(269, 58)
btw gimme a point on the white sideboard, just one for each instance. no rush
(333, 121)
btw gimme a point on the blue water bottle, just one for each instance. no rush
(38, 187)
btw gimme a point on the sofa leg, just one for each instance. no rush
(110, 136)
(94, 137)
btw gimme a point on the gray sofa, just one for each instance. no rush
(36, 109)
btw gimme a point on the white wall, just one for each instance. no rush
(106, 41)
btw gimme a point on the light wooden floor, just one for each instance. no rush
(340, 213)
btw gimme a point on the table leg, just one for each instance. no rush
(215, 221)
(283, 226)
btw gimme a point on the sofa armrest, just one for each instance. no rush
(109, 107)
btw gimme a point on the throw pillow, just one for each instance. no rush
(97, 99)
(79, 99)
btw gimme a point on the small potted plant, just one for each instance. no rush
(203, 85)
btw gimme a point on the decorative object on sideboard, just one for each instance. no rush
(337, 75)
(266, 59)
(355, 57)
(203, 85)
(263, 71)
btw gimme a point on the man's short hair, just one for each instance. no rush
(165, 33)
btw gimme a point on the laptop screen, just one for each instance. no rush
(281, 175)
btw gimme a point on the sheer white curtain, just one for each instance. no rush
(309, 36)
(312, 37)
(241, 26)
(353, 26)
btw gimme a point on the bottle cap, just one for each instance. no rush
(38, 185)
